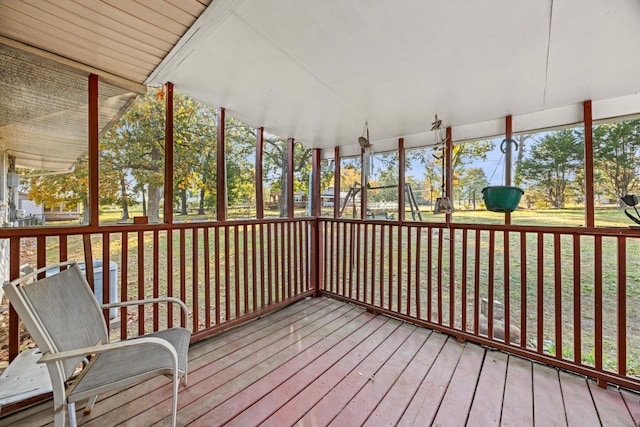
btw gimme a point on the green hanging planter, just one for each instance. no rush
(502, 198)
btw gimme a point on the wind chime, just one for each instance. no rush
(443, 204)
(367, 164)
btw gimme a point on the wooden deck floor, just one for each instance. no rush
(323, 362)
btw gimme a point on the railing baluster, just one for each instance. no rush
(245, 273)
(399, 245)
(195, 282)
(439, 296)
(452, 273)
(358, 250)
(523, 289)
(390, 267)
(207, 276)
(476, 285)
(141, 281)
(577, 301)
(106, 277)
(408, 291)
(124, 281)
(373, 264)
(14, 323)
(490, 283)
(540, 278)
(236, 270)
(183, 274)
(463, 302)
(269, 269)
(217, 273)
(418, 268)
(382, 227)
(254, 276)
(598, 301)
(227, 274)
(430, 274)
(507, 288)
(156, 279)
(365, 262)
(557, 261)
(622, 305)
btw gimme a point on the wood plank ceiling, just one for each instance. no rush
(47, 50)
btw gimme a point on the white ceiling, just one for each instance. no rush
(316, 70)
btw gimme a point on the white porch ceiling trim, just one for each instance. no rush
(315, 71)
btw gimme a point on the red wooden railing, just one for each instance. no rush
(226, 272)
(554, 294)
(559, 295)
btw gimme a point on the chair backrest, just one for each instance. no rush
(60, 311)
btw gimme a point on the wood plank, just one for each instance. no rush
(391, 409)
(371, 394)
(548, 406)
(487, 401)
(202, 397)
(633, 404)
(334, 401)
(225, 369)
(611, 408)
(426, 400)
(517, 405)
(578, 404)
(458, 398)
(296, 384)
(232, 407)
(299, 404)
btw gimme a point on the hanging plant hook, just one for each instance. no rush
(505, 142)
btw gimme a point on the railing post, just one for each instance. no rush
(401, 179)
(259, 183)
(168, 155)
(449, 168)
(508, 133)
(14, 321)
(336, 183)
(289, 178)
(94, 218)
(221, 182)
(588, 165)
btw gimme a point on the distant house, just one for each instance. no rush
(61, 212)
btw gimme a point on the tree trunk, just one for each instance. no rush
(144, 202)
(85, 211)
(283, 186)
(201, 207)
(125, 205)
(154, 203)
(183, 202)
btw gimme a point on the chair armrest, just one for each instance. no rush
(182, 305)
(102, 348)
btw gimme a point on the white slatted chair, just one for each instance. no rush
(66, 322)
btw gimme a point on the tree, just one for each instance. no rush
(471, 183)
(617, 156)
(552, 164)
(71, 189)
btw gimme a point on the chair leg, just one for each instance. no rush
(71, 409)
(59, 417)
(90, 403)
(174, 409)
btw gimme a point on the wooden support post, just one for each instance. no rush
(168, 155)
(221, 184)
(289, 178)
(588, 165)
(364, 178)
(449, 166)
(401, 180)
(336, 183)
(259, 183)
(508, 133)
(94, 218)
(315, 183)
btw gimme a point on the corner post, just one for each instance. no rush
(401, 179)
